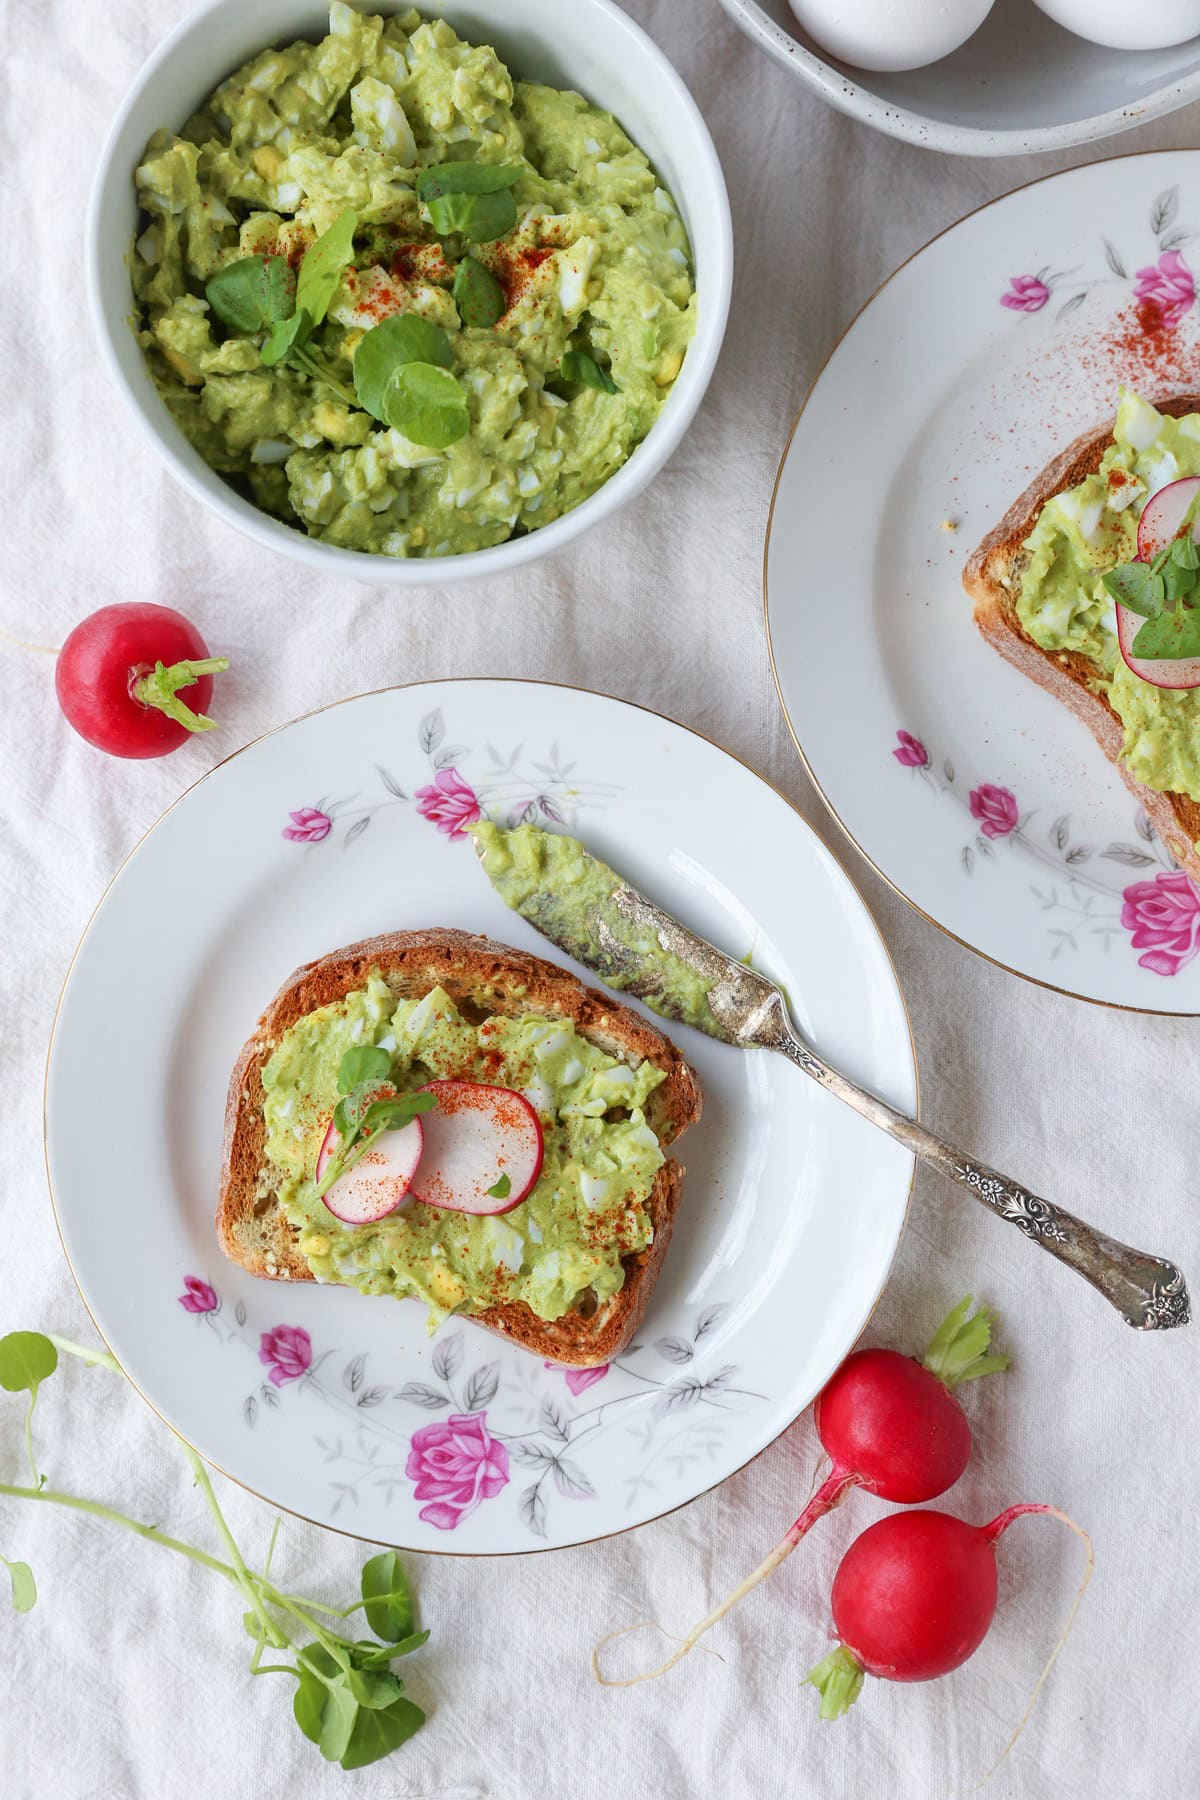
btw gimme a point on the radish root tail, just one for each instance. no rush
(831, 1493)
(997, 1527)
(24, 644)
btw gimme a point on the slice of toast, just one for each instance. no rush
(993, 578)
(482, 978)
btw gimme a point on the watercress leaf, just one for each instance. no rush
(1177, 581)
(403, 338)
(397, 1110)
(373, 1687)
(321, 269)
(427, 405)
(577, 365)
(365, 1062)
(26, 1359)
(502, 1189)
(478, 295)
(252, 292)
(1170, 635)
(478, 218)
(308, 1704)
(24, 1588)
(286, 335)
(1155, 592)
(316, 1658)
(376, 1734)
(338, 1718)
(1127, 584)
(387, 1600)
(1184, 552)
(466, 178)
(367, 1655)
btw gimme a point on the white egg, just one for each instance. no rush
(1127, 24)
(895, 34)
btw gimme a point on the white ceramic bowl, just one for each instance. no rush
(590, 45)
(1021, 83)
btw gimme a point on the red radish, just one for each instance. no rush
(123, 674)
(483, 1148)
(1159, 671)
(890, 1425)
(1163, 518)
(379, 1181)
(913, 1598)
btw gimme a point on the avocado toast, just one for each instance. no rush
(437, 995)
(1087, 675)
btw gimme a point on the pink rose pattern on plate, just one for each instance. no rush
(450, 1467)
(1163, 918)
(1164, 291)
(286, 1353)
(1161, 913)
(580, 1380)
(995, 808)
(514, 790)
(1027, 293)
(455, 1465)
(198, 1296)
(448, 803)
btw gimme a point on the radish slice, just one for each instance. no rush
(1159, 671)
(381, 1178)
(1163, 514)
(478, 1138)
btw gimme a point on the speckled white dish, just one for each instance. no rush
(340, 1407)
(1020, 84)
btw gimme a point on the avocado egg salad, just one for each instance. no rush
(1089, 586)
(585, 1210)
(400, 301)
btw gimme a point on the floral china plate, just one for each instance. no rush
(981, 799)
(342, 1408)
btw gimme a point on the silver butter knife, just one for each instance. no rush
(636, 947)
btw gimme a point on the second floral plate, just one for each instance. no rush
(976, 795)
(342, 1408)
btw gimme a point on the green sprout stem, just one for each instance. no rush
(161, 690)
(248, 1587)
(101, 1359)
(33, 1468)
(303, 360)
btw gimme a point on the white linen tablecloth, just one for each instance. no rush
(129, 1678)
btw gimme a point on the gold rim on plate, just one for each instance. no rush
(1052, 987)
(401, 687)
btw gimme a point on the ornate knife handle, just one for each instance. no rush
(1148, 1291)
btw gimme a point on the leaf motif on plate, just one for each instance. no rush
(250, 1409)
(1060, 831)
(390, 783)
(239, 1312)
(554, 1420)
(448, 1355)
(1163, 212)
(1128, 854)
(532, 1508)
(532, 1456)
(570, 1480)
(356, 831)
(431, 731)
(1113, 257)
(675, 1349)
(352, 1374)
(372, 1396)
(710, 1317)
(481, 1386)
(418, 1393)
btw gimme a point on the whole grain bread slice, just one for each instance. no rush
(993, 578)
(482, 978)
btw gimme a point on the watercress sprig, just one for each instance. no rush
(470, 200)
(402, 377)
(577, 365)
(260, 293)
(348, 1701)
(1165, 593)
(367, 1107)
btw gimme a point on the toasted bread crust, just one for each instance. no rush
(992, 577)
(475, 971)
